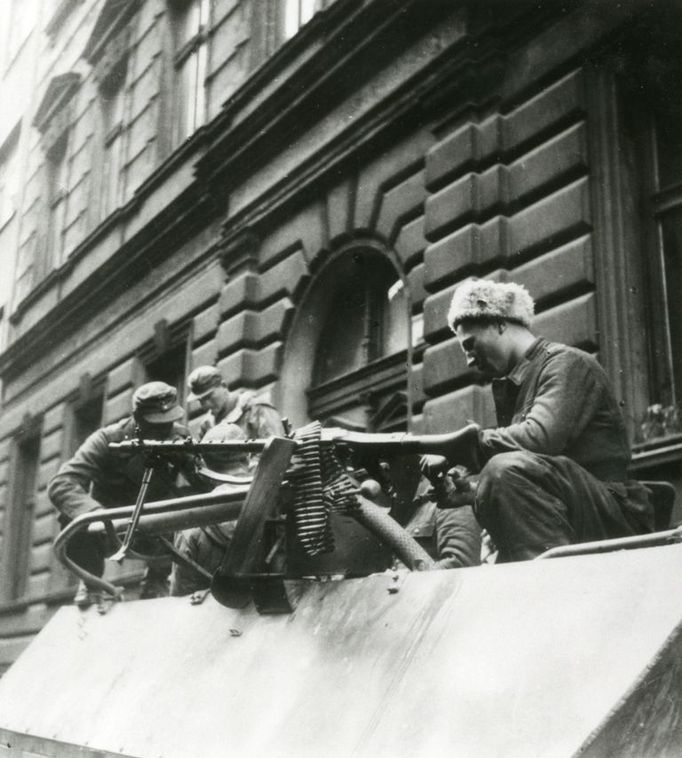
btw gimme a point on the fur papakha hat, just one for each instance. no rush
(482, 299)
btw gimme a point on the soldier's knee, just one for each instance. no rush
(502, 468)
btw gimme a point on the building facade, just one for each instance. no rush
(292, 189)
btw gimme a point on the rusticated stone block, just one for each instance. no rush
(240, 292)
(205, 354)
(339, 210)
(205, 323)
(405, 199)
(285, 277)
(548, 108)
(375, 176)
(252, 368)
(240, 329)
(444, 363)
(410, 243)
(461, 251)
(54, 418)
(451, 155)
(562, 213)
(51, 445)
(45, 472)
(117, 407)
(568, 266)
(130, 373)
(573, 323)
(415, 284)
(307, 229)
(456, 409)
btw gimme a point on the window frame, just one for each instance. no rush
(20, 513)
(374, 396)
(191, 52)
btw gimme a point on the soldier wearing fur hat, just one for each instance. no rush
(554, 472)
(97, 477)
(253, 414)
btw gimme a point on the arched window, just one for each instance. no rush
(366, 317)
(349, 345)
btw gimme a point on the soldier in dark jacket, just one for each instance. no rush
(98, 477)
(554, 472)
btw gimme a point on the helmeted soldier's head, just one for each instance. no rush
(234, 462)
(155, 409)
(206, 384)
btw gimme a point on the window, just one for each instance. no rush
(663, 130)
(366, 319)
(24, 466)
(170, 367)
(112, 104)
(53, 118)
(87, 418)
(191, 22)
(9, 177)
(648, 76)
(347, 352)
(57, 194)
(107, 51)
(296, 13)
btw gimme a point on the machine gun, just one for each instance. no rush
(459, 446)
(299, 482)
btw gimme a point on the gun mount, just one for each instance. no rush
(301, 484)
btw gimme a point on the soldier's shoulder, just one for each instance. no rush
(118, 430)
(249, 399)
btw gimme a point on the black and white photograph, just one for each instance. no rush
(340, 378)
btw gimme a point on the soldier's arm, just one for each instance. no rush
(69, 489)
(265, 422)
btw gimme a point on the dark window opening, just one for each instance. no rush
(18, 536)
(190, 21)
(57, 193)
(170, 367)
(366, 319)
(87, 418)
(359, 377)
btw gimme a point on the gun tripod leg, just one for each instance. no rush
(120, 554)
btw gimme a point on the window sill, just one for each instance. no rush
(657, 452)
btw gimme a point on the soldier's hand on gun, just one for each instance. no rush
(452, 486)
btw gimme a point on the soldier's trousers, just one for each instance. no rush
(530, 503)
(199, 545)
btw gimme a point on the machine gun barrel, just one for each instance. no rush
(455, 446)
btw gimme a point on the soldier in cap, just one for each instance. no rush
(98, 477)
(254, 415)
(231, 416)
(206, 545)
(554, 472)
